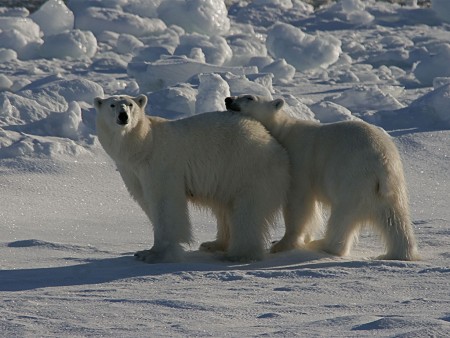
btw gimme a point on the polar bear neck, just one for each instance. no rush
(125, 145)
(278, 124)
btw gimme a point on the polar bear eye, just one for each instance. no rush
(250, 98)
(130, 104)
(112, 105)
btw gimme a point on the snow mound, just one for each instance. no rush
(7, 55)
(427, 112)
(16, 109)
(21, 35)
(295, 108)
(434, 65)
(209, 17)
(267, 12)
(68, 124)
(249, 84)
(169, 71)
(75, 44)
(97, 20)
(212, 91)
(173, 102)
(62, 17)
(215, 48)
(348, 11)
(361, 99)
(302, 50)
(282, 71)
(55, 95)
(329, 112)
(245, 45)
(14, 145)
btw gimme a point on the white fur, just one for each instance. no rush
(353, 167)
(221, 160)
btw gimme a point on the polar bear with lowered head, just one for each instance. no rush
(352, 167)
(220, 160)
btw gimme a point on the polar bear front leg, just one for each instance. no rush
(168, 212)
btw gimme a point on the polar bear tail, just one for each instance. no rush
(394, 218)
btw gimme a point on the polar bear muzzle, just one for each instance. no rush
(229, 104)
(122, 118)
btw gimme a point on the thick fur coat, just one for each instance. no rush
(224, 161)
(352, 167)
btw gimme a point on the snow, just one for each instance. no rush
(62, 17)
(302, 50)
(70, 228)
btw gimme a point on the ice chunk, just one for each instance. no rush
(5, 82)
(212, 92)
(98, 20)
(15, 109)
(26, 26)
(56, 94)
(214, 48)
(7, 55)
(53, 17)
(350, 11)
(360, 99)
(74, 44)
(435, 65)
(173, 102)
(240, 84)
(328, 112)
(282, 71)
(302, 50)
(244, 47)
(297, 109)
(21, 35)
(143, 8)
(209, 17)
(167, 72)
(127, 43)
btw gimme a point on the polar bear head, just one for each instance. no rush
(120, 111)
(258, 107)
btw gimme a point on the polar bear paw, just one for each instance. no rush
(212, 246)
(285, 245)
(173, 254)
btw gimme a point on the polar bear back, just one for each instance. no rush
(234, 149)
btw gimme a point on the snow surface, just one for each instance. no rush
(69, 227)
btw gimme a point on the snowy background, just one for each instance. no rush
(69, 228)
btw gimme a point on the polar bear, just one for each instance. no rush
(352, 167)
(220, 160)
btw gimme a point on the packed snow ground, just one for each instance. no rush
(70, 228)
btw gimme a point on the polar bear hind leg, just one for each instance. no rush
(301, 217)
(341, 232)
(223, 232)
(249, 227)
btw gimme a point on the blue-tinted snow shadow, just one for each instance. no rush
(106, 270)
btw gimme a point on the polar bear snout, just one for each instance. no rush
(122, 118)
(230, 104)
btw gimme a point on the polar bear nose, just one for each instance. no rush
(122, 118)
(228, 102)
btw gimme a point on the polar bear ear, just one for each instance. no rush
(98, 102)
(278, 104)
(141, 100)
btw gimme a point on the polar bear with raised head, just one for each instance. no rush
(353, 167)
(220, 160)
